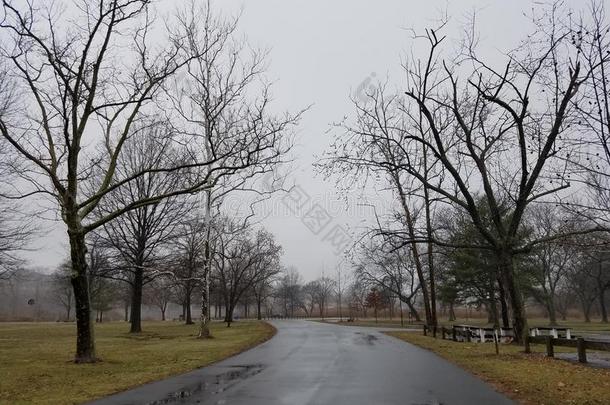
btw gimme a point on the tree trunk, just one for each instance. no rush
(602, 305)
(126, 314)
(430, 252)
(586, 309)
(188, 316)
(229, 314)
(503, 304)
(550, 306)
(414, 250)
(451, 312)
(258, 309)
(136, 300)
(516, 300)
(204, 327)
(85, 337)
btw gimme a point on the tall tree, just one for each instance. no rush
(141, 237)
(223, 101)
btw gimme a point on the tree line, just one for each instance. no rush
(117, 122)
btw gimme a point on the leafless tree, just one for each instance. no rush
(551, 261)
(223, 103)
(62, 288)
(388, 269)
(500, 132)
(188, 259)
(16, 227)
(160, 292)
(84, 75)
(288, 291)
(243, 259)
(323, 293)
(141, 237)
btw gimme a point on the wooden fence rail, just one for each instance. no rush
(468, 333)
(580, 344)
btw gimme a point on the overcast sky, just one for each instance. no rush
(322, 51)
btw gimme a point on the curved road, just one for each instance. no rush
(316, 363)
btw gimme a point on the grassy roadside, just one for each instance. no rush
(529, 379)
(577, 326)
(35, 366)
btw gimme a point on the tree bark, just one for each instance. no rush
(85, 338)
(503, 305)
(602, 305)
(188, 316)
(550, 305)
(204, 328)
(516, 300)
(430, 251)
(136, 301)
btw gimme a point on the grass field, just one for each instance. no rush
(529, 379)
(36, 367)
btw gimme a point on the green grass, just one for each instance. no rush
(36, 366)
(529, 379)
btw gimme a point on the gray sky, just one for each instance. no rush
(321, 52)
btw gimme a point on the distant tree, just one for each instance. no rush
(374, 300)
(242, 259)
(288, 291)
(325, 287)
(160, 292)
(140, 238)
(62, 288)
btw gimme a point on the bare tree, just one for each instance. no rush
(388, 269)
(81, 88)
(189, 256)
(62, 288)
(289, 291)
(552, 260)
(242, 260)
(325, 286)
(141, 237)
(160, 293)
(223, 102)
(497, 132)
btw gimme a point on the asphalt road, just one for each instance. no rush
(315, 363)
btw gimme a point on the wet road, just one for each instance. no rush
(315, 363)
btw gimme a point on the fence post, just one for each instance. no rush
(425, 330)
(549, 346)
(453, 335)
(582, 352)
